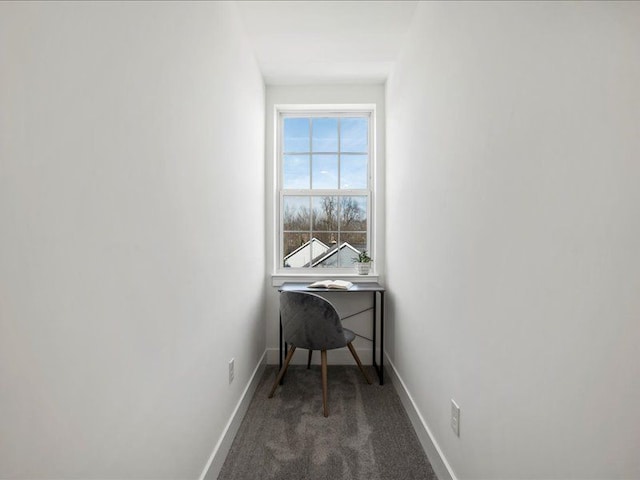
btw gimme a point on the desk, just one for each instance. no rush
(370, 287)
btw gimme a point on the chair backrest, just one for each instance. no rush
(310, 321)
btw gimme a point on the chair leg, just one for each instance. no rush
(309, 360)
(323, 356)
(283, 370)
(357, 359)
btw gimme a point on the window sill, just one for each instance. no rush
(277, 279)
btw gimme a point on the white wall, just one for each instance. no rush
(317, 95)
(131, 234)
(512, 167)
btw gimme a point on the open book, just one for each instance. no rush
(332, 284)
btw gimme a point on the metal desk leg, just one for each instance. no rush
(374, 321)
(280, 346)
(282, 354)
(378, 368)
(381, 338)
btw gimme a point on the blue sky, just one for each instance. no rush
(297, 168)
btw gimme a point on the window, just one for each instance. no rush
(324, 186)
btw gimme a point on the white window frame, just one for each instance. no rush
(282, 111)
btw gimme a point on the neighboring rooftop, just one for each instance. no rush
(316, 253)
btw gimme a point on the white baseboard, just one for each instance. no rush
(220, 451)
(437, 459)
(340, 356)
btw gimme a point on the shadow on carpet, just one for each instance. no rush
(367, 435)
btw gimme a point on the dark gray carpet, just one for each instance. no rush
(367, 435)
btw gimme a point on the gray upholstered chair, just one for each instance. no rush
(310, 321)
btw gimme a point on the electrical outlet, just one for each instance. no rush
(455, 417)
(231, 372)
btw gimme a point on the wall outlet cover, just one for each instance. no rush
(231, 370)
(455, 417)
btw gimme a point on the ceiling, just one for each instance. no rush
(313, 42)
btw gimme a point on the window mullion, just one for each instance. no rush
(310, 154)
(339, 209)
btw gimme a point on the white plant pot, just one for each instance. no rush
(363, 268)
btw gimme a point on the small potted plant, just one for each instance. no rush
(363, 263)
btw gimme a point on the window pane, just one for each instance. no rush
(296, 135)
(325, 135)
(296, 214)
(324, 171)
(328, 240)
(346, 255)
(353, 244)
(356, 240)
(300, 252)
(295, 171)
(325, 213)
(291, 242)
(353, 213)
(354, 134)
(353, 171)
